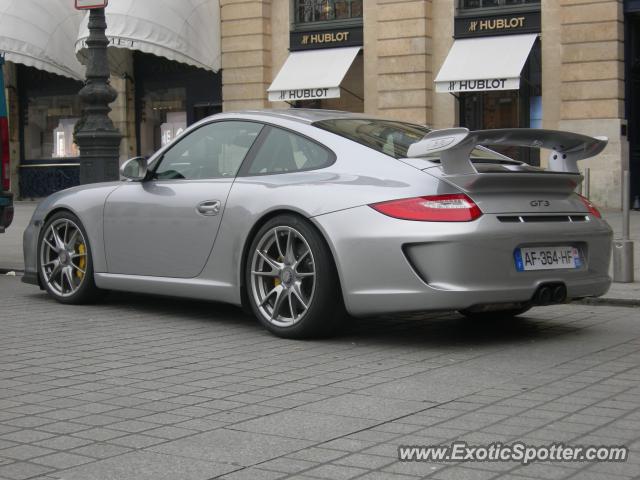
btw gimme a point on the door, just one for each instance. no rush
(166, 225)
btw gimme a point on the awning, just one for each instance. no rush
(186, 31)
(485, 63)
(312, 74)
(41, 34)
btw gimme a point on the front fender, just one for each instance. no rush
(87, 203)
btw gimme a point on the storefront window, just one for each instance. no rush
(164, 117)
(48, 127)
(509, 108)
(473, 4)
(169, 97)
(311, 11)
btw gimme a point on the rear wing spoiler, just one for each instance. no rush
(456, 144)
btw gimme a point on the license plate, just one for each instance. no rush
(547, 258)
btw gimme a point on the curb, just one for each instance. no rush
(17, 271)
(614, 302)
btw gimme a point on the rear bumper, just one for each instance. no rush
(388, 265)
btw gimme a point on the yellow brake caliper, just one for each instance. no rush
(276, 281)
(82, 262)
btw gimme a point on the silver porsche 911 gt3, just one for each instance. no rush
(304, 216)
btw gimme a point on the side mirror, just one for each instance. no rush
(134, 169)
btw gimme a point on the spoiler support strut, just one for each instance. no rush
(456, 144)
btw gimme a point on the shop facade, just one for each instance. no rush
(632, 93)
(42, 77)
(545, 64)
(164, 59)
(476, 63)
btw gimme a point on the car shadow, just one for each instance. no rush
(452, 329)
(410, 330)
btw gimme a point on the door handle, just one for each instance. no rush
(209, 208)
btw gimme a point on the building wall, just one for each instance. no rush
(246, 52)
(403, 57)
(405, 44)
(445, 106)
(592, 88)
(551, 62)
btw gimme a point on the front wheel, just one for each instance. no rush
(65, 265)
(291, 279)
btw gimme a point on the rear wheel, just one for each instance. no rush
(291, 279)
(495, 314)
(64, 260)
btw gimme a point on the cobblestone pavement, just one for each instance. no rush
(147, 388)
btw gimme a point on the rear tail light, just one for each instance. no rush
(590, 206)
(435, 208)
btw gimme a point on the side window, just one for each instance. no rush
(214, 150)
(283, 152)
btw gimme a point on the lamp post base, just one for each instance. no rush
(100, 156)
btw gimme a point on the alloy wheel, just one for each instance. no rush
(283, 276)
(63, 257)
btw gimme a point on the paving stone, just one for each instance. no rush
(63, 427)
(100, 450)
(305, 425)
(137, 441)
(143, 465)
(288, 465)
(336, 472)
(365, 406)
(63, 442)
(100, 434)
(24, 452)
(203, 393)
(23, 470)
(254, 474)
(62, 460)
(26, 436)
(230, 446)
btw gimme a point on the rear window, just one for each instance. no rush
(389, 137)
(394, 138)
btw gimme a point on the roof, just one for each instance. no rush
(304, 115)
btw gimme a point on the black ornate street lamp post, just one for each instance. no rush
(96, 136)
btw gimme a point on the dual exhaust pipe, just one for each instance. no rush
(550, 294)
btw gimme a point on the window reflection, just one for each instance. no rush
(309, 11)
(164, 117)
(48, 127)
(471, 4)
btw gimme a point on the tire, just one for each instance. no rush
(495, 314)
(67, 275)
(289, 266)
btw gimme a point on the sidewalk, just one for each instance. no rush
(619, 294)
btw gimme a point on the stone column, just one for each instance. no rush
(445, 105)
(403, 45)
(592, 88)
(246, 53)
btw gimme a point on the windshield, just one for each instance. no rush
(393, 138)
